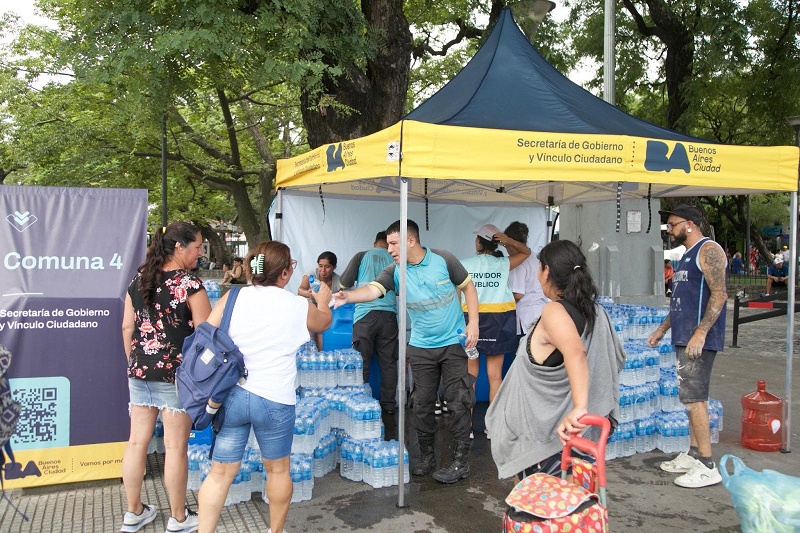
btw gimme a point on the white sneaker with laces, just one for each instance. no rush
(679, 465)
(132, 522)
(188, 525)
(699, 476)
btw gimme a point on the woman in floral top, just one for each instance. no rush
(163, 304)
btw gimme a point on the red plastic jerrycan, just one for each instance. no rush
(762, 420)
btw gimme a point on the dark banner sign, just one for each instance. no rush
(66, 258)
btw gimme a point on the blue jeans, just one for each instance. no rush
(272, 423)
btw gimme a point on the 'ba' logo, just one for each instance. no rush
(659, 160)
(334, 155)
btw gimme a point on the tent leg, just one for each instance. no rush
(401, 339)
(787, 400)
(279, 217)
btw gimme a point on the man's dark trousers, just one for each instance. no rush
(376, 332)
(428, 366)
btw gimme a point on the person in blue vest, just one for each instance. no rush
(433, 278)
(490, 271)
(697, 319)
(375, 325)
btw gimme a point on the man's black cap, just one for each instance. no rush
(686, 212)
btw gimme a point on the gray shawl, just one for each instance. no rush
(533, 399)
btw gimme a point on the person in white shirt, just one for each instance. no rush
(524, 282)
(268, 324)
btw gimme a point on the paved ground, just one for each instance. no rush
(642, 498)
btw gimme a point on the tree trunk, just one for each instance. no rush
(248, 216)
(678, 67)
(678, 39)
(218, 253)
(377, 94)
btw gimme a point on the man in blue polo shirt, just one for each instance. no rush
(375, 325)
(433, 278)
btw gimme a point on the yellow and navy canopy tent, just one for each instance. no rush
(510, 128)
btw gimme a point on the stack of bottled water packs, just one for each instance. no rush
(212, 291)
(341, 421)
(651, 415)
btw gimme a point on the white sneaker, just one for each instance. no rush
(699, 476)
(487, 434)
(681, 464)
(132, 522)
(188, 525)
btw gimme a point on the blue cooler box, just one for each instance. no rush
(200, 436)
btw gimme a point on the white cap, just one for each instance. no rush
(487, 231)
(778, 258)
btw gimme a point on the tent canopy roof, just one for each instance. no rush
(510, 128)
(509, 85)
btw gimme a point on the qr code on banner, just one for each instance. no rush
(44, 418)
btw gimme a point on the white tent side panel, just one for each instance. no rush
(347, 226)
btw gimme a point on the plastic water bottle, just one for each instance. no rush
(158, 433)
(626, 409)
(308, 477)
(315, 284)
(344, 459)
(296, 474)
(358, 461)
(645, 431)
(195, 457)
(611, 446)
(472, 353)
(629, 442)
(246, 491)
(368, 469)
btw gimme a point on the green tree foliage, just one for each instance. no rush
(717, 69)
(244, 82)
(222, 78)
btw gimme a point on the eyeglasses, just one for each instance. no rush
(670, 226)
(293, 263)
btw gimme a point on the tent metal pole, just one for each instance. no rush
(609, 59)
(279, 217)
(787, 400)
(401, 339)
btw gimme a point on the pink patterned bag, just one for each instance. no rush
(541, 503)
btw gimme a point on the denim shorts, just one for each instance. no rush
(272, 423)
(694, 375)
(156, 394)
